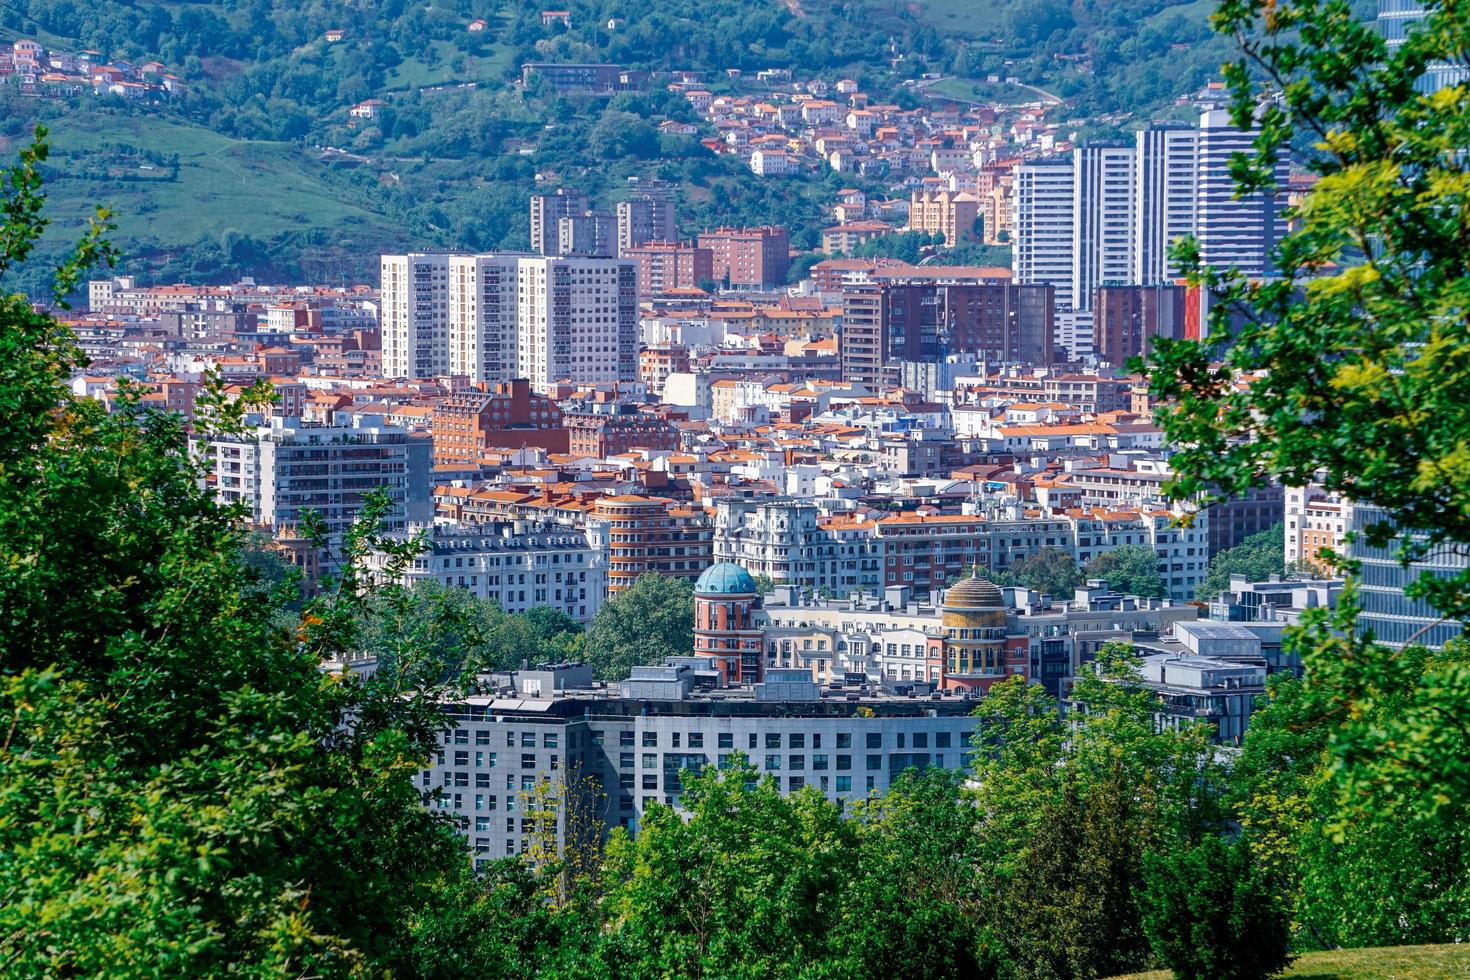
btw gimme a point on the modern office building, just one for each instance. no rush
(1392, 617)
(1396, 18)
(1104, 183)
(1164, 198)
(1234, 232)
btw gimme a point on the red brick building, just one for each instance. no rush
(507, 415)
(749, 258)
(609, 435)
(663, 266)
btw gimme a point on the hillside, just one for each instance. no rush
(274, 177)
(1390, 963)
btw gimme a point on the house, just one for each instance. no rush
(675, 128)
(334, 35)
(367, 109)
(549, 17)
(773, 163)
(477, 25)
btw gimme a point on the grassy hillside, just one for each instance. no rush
(1392, 963)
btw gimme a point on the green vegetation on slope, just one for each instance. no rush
(1444, 962)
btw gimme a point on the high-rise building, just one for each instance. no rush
(1103, 227)
(1396, 18)
(1044, 220)
(1387, 612)
(1234, 232)
(1125, 319)
(749, 258)
(415, 315)
(648, 217)
(577, 320)
(1164, 196)
(546, 211)
(588, 234)
(482, 317)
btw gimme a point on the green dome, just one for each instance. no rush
(726, 578)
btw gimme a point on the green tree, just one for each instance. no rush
(181, 794)
(643, 624)
(1346, 367)
(1050, 571)
(1258, 557)
(1210, 913)
(1132, 569)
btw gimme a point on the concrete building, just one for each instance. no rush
(588, 234)
(652, 534)
(1103, 176)
(974, 618)
(1126, 319)
(415, 315)
(482, 317)
(547, 210)
(507, 415)
(521, 565)
(1164, 196)
(577, 320)
(1043, 203)
(651, 216)
(664, 265)
(1235, 232)
(1314, 520)
(1396, 18)
(1387, 612)
(788, 541)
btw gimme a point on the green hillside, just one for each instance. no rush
(1391, 963)
(233, 177)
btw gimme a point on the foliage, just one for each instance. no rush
(1258, 557)
(1211, 915)
(643, 624)
(1051, 571)
(1089, 800)
(181, 795)
(1132, 569)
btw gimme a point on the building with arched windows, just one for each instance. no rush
(725, 601)
(974, 619)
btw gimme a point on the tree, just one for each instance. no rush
(1050, 571)
(1132, 569)
(1258, 557)
(182, 794)
(1346, 368)
(643, 624)
(1210, 913)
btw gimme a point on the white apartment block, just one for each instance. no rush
(482, 316)
(1104, 182)
(1164, 198)
(415, 315)
(1043, 205)
(786, 541)
(577, 320)
(520, 565)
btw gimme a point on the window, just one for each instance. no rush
(773, 740)
(724, 760)
(753, 739)
(461, 757)
(625, 780)
(528, 760)
(941, 740)
(650, 760)
(482, 738)
(875, 740)
(528, 740)
(795, 783)
(875, 763)
(696, 740)
(844, 784)
(844, 762)
(625, 738)
(725, 740)
(625, 760)
(482, 780)
(461, 736)
(797, 741)
(817, 740)
(819, 762)
(548, 740)
(773, 762)
(650, 780)
(650, 740)
(844, 740)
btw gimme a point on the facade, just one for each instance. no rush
(1103, 177)
(287, 469)
(577, 320)
(1396, 18)
(974, 618)
(482, 317)
(725, 628)
(1392, 617)
(949, 214)
(1234, 232)
(652, 534)
(749, 258)
(787, 541)
(664, 265)
(547, 210)
(521, 565)
(589, 234)
(846, 238)
(601, 436)
(506, 416)
(549, 726)
(1165, 198)
(1125, 319)
(415, 315)
(649, 217)
(1314, 520)
(1043, 202)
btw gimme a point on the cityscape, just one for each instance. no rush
(696, 490)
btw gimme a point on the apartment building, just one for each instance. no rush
(601, 435)
(507, 415)
(652, 534)
(1165, 198)
(577, 321)
(663, 266)
(1103, 177)
(791, 543)
(1314, 520)
(949, 214)
(589, 234)
(546, 211)
(1126, 319)
(482, 317)
(651, 216)
(749, 258)
(520, 565)
(415, 315)
(1043, 198)
(1235, 232)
